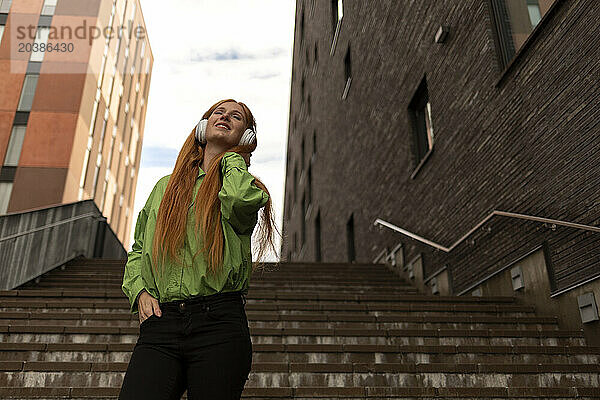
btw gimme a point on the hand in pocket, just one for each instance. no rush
(147, 306)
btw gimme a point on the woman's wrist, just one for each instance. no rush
(139, 294)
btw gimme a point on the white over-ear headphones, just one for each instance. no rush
(249, 136)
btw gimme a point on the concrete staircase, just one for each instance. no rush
(326, 331)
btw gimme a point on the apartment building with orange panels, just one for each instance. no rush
(74, 80)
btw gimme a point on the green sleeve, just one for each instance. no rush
(240, 197)
(132, 278)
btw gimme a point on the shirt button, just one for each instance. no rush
(181, 306)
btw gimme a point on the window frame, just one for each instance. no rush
(46, 8)
(421, 101)
(28, 87)
(505, 62)
(15, 145)
(5, 6)
(347, 72)
(338, 25)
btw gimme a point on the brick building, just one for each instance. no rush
(456, 140)
(73, 96)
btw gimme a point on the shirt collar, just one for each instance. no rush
(200, 172)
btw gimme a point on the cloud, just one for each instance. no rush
(265, 76)
(235, 54)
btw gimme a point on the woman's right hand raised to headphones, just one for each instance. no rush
(147, 305)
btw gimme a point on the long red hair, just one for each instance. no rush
(172, 214)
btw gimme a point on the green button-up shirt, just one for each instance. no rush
(240, 200)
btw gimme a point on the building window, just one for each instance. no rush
(27, 93)
(514, 22)
(535, 16)
(302, 155)
(41, 38)
(314, 146)
(295, 244)
(49, 7)
(302, 28)
(347, 73)
(5, 6)
(309, 185)
(318, 237)
(350, 239)
(315, 59)
(15, 144)
(420, 112)
(295, 181)
(337, 12)
(303, 221)
(5, 191)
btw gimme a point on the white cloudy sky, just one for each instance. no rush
(207, 50)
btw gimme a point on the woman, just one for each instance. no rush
(188, 271)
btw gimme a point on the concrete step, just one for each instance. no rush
(362, 271)
(397, 287)
(260, 275)
(52, 374)
(333, 278)
(323, 353)
(92, 306)
(301, 319)
(369, 335)
(70, 275)
(306, 271)
(330, 393)
(133, 322)
(103, 300)
(281, 294)
(89, 306)
(97, 334)
(95, 283)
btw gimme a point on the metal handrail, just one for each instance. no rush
(52, 225)
(495, 212)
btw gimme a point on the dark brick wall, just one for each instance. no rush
(523, 139)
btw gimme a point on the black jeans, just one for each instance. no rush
(201, 344)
